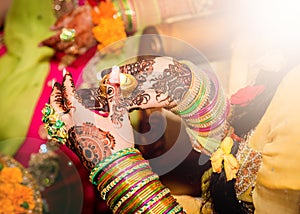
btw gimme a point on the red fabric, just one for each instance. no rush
(243, 96)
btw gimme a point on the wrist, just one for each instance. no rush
(126, 181)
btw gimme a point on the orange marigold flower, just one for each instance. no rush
(11, 174)
(24, 194)
(103, 10)
(108, 31)
(6, 206)
(14, 196)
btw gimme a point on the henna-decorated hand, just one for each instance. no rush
(153, 82)
(93, 137)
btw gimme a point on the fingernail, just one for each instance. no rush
(64, 72)
(114, 76)
(53, 83)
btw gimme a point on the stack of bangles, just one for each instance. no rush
(125, 180)
(204, 109)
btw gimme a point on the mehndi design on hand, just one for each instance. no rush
(91, 144)
(159, 82)
(93, 137)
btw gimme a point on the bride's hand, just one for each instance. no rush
(153, 82)
(91, 136)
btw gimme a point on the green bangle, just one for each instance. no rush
(195, 104)
(164, 191)
(102, 180)
(104, 163)
(114, 182)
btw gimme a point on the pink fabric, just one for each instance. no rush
(54, 74)
(2, 50)
(2, 47)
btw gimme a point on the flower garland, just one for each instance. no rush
(15, 197)
(109, 27)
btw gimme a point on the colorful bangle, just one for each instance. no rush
(197, 101)
(208, 107)
(190, 94)
(134, 187)
(125, 180)
(155, 196)
(128, 202)
(163, 205)
(122, 187)
(141, 189)
(120, 178)
(136, 201)
(151, 200)
(110, 172)
(101, 166)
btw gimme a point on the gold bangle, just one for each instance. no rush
(147, 206)
(163, 204)
(119, 178)
(214, 114)
(125, 185)
(189, 95)
(202, 98)
(139, 197)
(116, 170)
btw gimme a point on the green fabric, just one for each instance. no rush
(23, 68)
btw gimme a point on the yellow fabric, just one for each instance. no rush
(23, 68)
(223, 154)
(277, 137)
(190, 205)
(270, 201)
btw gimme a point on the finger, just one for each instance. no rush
(114, 98)
(113, 84)
(118, 112)
(56, 98)
(68, 90)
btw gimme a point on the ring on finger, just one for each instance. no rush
(56, 128)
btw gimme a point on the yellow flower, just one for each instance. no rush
(103, 10)
(223, 155)
(109, 27)
(109, 31)
(15, 197)
(11, 174)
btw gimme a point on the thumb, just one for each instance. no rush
(117, 108)
(113, 92)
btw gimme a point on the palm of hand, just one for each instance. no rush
(92, 136)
